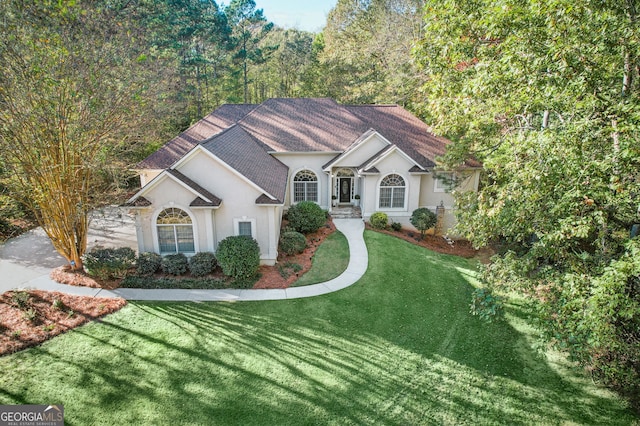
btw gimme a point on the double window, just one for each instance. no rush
(175, 231)
(305, 186)
(392, 192)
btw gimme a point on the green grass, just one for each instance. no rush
(397, 348)
(330, 260)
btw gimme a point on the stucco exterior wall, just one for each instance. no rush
(308, 161)
(213, 225)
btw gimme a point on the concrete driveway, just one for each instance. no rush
(31, 255)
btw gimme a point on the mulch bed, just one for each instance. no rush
(28, 318)
(41, 319)
(462, 248)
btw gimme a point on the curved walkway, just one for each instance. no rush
(358, 261)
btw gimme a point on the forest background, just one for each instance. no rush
(544, 93)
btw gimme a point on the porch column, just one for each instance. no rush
(330, 190)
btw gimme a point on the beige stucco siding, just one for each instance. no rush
(238, 201)
(362, 153)
(308, 161)
(212, 225)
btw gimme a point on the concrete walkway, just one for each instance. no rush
(18, 272)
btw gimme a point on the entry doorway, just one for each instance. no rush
(344, 189)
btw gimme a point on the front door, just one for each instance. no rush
(344, 185)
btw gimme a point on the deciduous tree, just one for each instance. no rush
(546, 94)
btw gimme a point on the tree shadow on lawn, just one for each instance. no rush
(399, 350)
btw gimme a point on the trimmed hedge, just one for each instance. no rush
(109, 263)
(239, 256)
(202, 263)
(175, 264)
(379, 220)
(306, 217)
(148, 263)
(292, 242)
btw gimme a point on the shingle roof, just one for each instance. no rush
(308, 125)
(198, 201)
(241, 151)
(212, 124)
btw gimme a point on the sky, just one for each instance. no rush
(307, 15)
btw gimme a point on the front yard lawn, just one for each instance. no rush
(399, 347)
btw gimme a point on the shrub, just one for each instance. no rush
(148, 263)
(109, 263)
(485, 305)
(306, 217)
(20, 299)
(396, 226)
(239, 256)
(423, 219)
(202, 263)
(379, 220)
(175, 264)
(292, 242)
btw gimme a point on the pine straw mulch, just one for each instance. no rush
(41, 319)
(28, 318)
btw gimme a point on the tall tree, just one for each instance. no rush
(70, 92)
(546, 94)
(366, 54)
(249, 27)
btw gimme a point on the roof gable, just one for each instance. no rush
(214, 123)
(365, 139)
(244, 154)
(299, 125)
(203, 198)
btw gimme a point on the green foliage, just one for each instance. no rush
(292, 242)
(20, 299)
(109, 263)
(306, 217)
(396, 226)
(198, 283)
(379, 220)
(202, 263)
(148, 263)
(239, 257)
(486, 306)
(289, 268)
(175, 264)
(423, 219)
(558, 137)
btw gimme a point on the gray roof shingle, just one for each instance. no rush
(212, 124)
(240, 150)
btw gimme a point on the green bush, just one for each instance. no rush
(148, 263)
(306, 217)
(485, 305)
(396, 226)
(423, 219)
(379, 220)
(239, 256)
(292, 242)
(109, 263)
(175, 264)
(202, 263)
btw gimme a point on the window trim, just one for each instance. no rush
(440, 186)
(294, 182)
(156, 237)
(243, 219)
(406, 193)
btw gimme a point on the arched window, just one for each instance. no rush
(392, 190)
(305, 186)
(175, 231)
